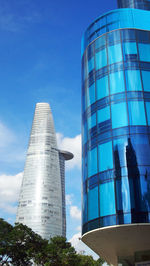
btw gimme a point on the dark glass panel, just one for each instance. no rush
(120, 131)
(93, 181)
(103, 176)
(107, 220)
(93, 224)
(128, 35)
(84, 228)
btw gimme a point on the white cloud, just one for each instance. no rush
(75, 212)
(9, 191)
(69, 198)
(73, 145)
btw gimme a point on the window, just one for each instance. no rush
(93, 203)
(107, 199)
(105, 156)
(133, 80)
(148, 112)
(100, 42)
(91, 121)
(136, 113)
(103, 114)
(119, 115)
(144, 51)
(91, 95)
(146, 80)
(92, 162)
(101, 59)
(114, 53)
(130, 50)
(116, 82)
(102, 87)
(123, 194)
(91, 64)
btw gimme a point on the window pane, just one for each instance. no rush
(91, 121)
(102, 87)
(117, 82)
(84, 208)
(92, 162)
(123, 194)
(146, 80)
(136, 113)
(91, 95)
(133, 80)
(107, 199)
(119, 115)
(144, 51)
(114, 53)
(103, 114)
(105, 156)
(101, 59)
(100, 42)
(90, 64)
(129, 48)
(93, 203)
(119, 149)
(148, 112)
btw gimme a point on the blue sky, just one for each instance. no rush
(40, 60)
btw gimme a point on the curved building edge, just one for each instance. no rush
(116, 241)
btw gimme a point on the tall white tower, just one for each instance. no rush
(42, 197)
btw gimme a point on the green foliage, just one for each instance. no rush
(19, 245)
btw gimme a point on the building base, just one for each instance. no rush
(121, 244)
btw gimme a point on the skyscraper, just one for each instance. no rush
(42, 197)
(116, 133)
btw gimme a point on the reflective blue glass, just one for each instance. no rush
(91, 121)
(123, 194)
(144, 52)
(119, 149)
(102, 87)
(92, 162)
(91, 94)
(148, 112)
(101, 59)
(146, 80)
(100, 42)
(105, 156)
(129, 48)
(133, 80)
(114, 53)
(107, 199)
(103, 114)
(117, 82)
(84, 133)
(145, 192)
(119, 115)
(136, 113)
(84, 208)
(140, 150)
(93, 203)
(91, 64)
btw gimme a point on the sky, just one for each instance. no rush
(40, 61)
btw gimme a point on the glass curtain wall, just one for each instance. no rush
(116, 128)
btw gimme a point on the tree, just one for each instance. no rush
(19, 245)
(5, 229)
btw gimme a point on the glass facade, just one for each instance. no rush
(116, 119)
(42, 196)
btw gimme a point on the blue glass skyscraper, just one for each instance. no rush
(116, 133)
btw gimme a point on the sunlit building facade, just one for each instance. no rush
(42, 196)
(116, 134)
